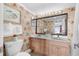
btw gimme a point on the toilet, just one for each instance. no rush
(13, 48)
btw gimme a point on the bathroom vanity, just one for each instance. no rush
(53, 25)
(49, 47)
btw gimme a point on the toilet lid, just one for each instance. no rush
(23, 54)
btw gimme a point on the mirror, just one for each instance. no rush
(55, 25)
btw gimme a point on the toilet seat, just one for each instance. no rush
(23, 54)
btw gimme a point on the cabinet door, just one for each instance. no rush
(38, 45)
(63, 51)
(58, 48)
(52, 49)
(47, 47)
(35, 45)
(42, 47)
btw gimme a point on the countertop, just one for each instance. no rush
(65, 39)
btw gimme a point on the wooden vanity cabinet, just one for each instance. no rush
(56, 48)
(37, 45)
(49, 47)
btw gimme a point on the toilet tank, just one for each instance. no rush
(13, 47)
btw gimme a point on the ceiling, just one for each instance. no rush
(37, 8)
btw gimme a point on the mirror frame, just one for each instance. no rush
(54, 16)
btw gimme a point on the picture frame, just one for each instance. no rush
(11, 15)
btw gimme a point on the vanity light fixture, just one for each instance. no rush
(33, 17)
(56, 12)
(45, 14)
(49, 13)
(60, 11)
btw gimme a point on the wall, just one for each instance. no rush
(71, 13)
(75, 41)
(1, 29)
(25, 21)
